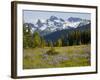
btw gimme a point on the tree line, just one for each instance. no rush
(75, 37)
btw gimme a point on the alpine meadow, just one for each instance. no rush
(56, 39)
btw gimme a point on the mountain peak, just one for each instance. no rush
(39, 23)
(62, 20)
(52, 18)
(74, 19)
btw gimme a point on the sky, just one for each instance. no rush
(31, 16)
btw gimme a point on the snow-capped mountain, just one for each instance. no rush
(73, 19)
(54, 23)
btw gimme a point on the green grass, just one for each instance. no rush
(71, 56)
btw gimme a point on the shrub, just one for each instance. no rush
(52, 51)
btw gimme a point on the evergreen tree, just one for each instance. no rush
(85, 37)
(59, 43)
(27, 37)
(50, 43)
(77, 37)
(43, 43)
(71, 38)
(36, 39)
